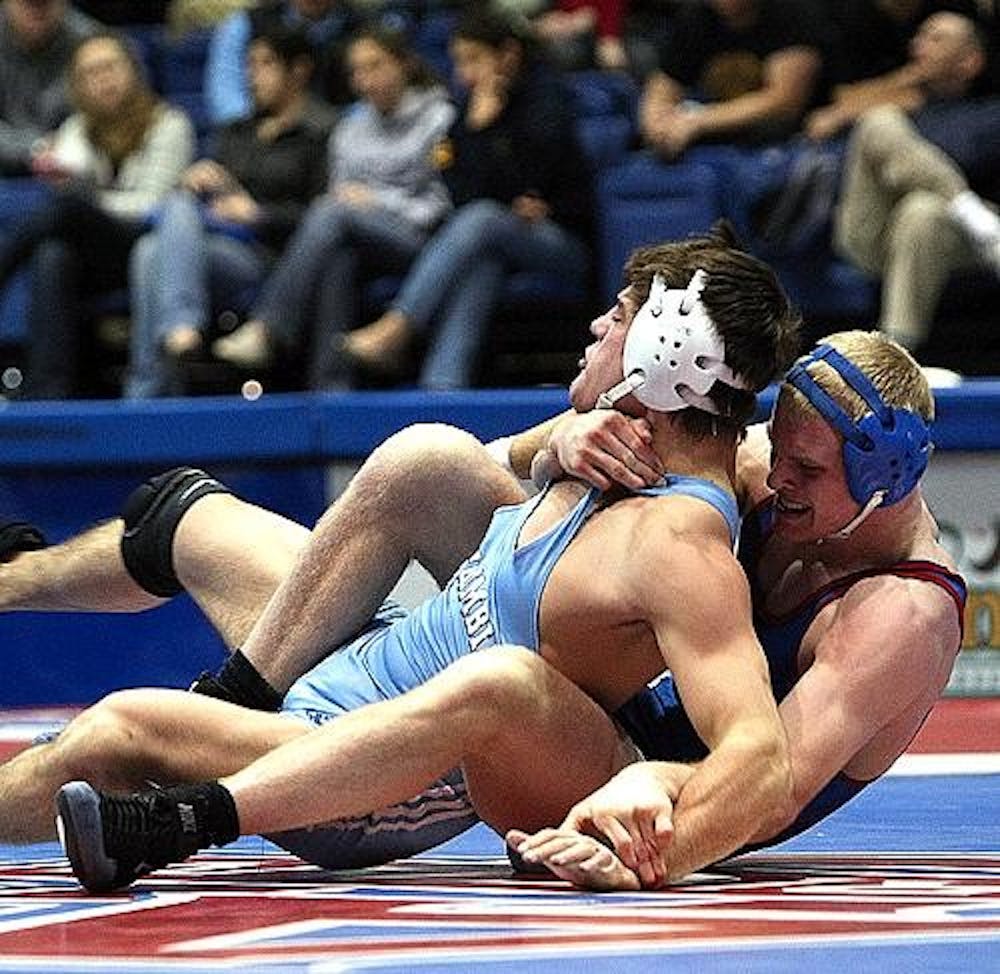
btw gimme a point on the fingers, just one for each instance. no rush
(576, 858)
(607, 447)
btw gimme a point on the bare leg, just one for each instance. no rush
(531, 742)
(128, 739)
(427, 494)
(84, 574)
(228, 554)
(231, 556)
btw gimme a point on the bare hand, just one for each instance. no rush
(354, 194)
(487, 100)
(235, 208)
(531, 208)
(635, 815)
(579, 859)
(603, 447)
(610, 54)
(823, 123)
(677, 129)
(47, 166)
(206, 177)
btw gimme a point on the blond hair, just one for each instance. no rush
(890, 368)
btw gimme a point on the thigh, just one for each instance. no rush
(558, 747)
(230, 556)
(387, 242)
(169, 736)
(345, 681)
(543, 245)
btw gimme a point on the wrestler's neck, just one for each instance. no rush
(711, 457)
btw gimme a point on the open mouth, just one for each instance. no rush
(791, 508)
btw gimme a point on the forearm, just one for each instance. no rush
(525, 445)
(745, 112)
(724, 803)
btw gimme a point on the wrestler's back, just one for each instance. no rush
(591, 627)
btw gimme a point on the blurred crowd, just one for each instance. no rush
(352, 193)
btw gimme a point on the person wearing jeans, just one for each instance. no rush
(522, 197)
(385, 199)
(219, 233)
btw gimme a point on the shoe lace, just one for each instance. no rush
(144, 832)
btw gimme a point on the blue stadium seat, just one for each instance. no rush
(603, 93)
(180, 74)
(643, 201)
(17, 197)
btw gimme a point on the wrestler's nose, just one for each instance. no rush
(779, 476)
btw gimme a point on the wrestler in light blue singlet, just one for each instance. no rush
(492, 599)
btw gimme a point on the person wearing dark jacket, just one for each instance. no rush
(522, 194)
(219, 233)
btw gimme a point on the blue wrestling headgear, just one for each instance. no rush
(673, 355)
(885, 452)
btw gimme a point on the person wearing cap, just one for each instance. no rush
(572, 602)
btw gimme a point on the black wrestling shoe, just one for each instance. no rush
(112, 841)
(18, 536)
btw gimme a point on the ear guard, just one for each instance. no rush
(886, 452)
(673, 355)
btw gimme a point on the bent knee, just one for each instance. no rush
(501, 681)
(424, 452)
(103, 740)
(879, 128)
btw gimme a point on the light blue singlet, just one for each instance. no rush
(492, 599)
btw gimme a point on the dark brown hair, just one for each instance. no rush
(395, 43)
(747, 305)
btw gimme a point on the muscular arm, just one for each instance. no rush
(526, 444)
(900, 87)
(601, 447)
(880, 661)
(702, 621)
(789, 77)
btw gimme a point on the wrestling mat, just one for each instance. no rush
(906, 878)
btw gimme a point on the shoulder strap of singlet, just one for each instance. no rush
(758, 524)
(706, 490)
(924, 571)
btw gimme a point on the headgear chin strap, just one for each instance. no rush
(885, 452)
(673, 355)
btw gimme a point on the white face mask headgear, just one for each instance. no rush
(673, 355)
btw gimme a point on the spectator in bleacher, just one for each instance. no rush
(736, 71)
(908, 214)
(188, 16)
(873, 37)
(947, 62)
(110, 163)
(218, 234)
(386, 197)
(37, 40)
(328, 24)
(523, 201)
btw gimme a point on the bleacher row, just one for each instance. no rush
(541, 324)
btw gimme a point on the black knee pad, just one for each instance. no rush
(18, 536)
(151, 514)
